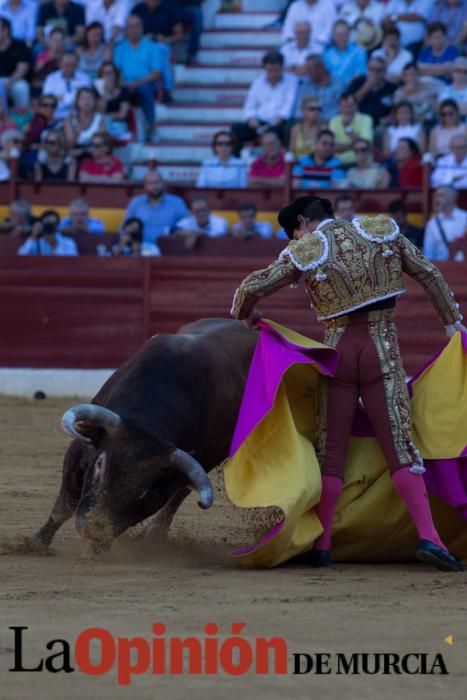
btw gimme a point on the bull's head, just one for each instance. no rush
(131, 474)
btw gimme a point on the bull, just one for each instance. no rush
(153, 432)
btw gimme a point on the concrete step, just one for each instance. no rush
(171, 172)
(220, 39)
(233, 57)
(262, 5)
(214, 94)
(196, 112)
(243, 20)
(180, 152)
(188, 133)
(202, 75)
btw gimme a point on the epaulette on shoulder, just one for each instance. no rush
(309, 252)
(379, 229)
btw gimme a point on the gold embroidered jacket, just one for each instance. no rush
(348, 266)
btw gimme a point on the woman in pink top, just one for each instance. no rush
(269, 169)
(101, 165)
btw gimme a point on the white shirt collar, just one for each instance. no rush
(323, 223)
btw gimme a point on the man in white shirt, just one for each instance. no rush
(65, 83)
(296, 52)
(269, 102)
(452, 169)
(202, 222)
(321, 14)
(353, 11)
(112, 14)
(22, 15)
(411, 18)
(395, 57)
(449, 222)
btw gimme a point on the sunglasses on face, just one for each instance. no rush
(48, 105)
(448, 114)
(313, 108)
(223, 143)
(362, 149)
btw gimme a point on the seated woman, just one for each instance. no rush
(403, 126)
(94, 50)
(224, 170)
(101, 165)
(52, 163)
(81, 126)
(406, 166)
(269, 169)
(366, 174)
(348, 126)
(304, 134)
(114, 100)
(450, 124)
(420, 91)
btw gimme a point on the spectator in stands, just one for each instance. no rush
(110, 14)
(453, 15)
(296, 52)
(372, 91)
(52, 163)
(398, 211)
(224, 170)
(344, 207)
(452, 168)
(5, 173)
(190, 13)
(46, 239)
(269, 102)
(140, 63)
(447, 225)
(19, 221)
(101, 165)
(393, 54)
(322, 169)
(42, 120)
(410, 17)
(131, 242)
(15, 64)
(344, 59)
(160, 212)
(349, 126)
(403, 126)
(48, 60)
(65, 83)
(6, 122)
(248, 226)
(457, 90)
(94, 50)
(78, 220)
(114, 99)
(161, 21)
(12, 143)
(22, 16)
(65, 14)
(269, 169)
(304, 134)
(406, 166)
(436, 58)
(201, 223)
(366, 174)
(81, 126)
(319, 13)
(421, 92)
(352, 11)
(450, 124)
(319, 83)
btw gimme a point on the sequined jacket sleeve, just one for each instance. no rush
(415, 264)
(262, 283)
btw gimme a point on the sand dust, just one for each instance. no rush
(190, 581)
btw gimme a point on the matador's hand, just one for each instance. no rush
(453, 327)
(252, 321)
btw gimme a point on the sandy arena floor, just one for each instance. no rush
(189, 582)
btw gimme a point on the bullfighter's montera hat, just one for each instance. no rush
(288, 216)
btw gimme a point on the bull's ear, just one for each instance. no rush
(90, 433)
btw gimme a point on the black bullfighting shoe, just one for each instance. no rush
(313, 557)
(430, 553)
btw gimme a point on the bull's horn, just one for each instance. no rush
(93, 414)
(196, 474)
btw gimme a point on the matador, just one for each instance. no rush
(353, 274)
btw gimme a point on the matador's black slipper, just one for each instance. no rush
(429, 553)
(313, 557)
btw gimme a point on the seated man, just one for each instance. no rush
(398, 211)
(344, 207)
(448, 224)
(15, 64)
(78, 221)
(269, 169)
(296, 52)
(201, 223)
(131, 242)
(320, 170)
(248, 226)
(45, 238)
(19, 221)
(452, 169)
(65, 14)
(317, 82)
(64, 84)
(348, 127)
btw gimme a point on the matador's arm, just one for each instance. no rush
(262, 283)
(415, 264)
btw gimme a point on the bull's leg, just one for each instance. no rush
(74, 465)
(159, 525)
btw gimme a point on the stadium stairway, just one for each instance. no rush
(209, 95)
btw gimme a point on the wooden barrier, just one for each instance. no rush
(95, 312)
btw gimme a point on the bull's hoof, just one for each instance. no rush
(94, 551)
(25, 545)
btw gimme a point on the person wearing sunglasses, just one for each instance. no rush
(53, 164)
(304, 134)
(366, 174)
(224, 169)
(457, 90)
(450, 124)
(101, 165)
